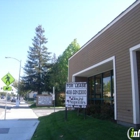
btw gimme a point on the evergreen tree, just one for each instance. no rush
(38, 63)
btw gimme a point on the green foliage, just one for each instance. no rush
(54, 127)
(33, 105)
(15, 84)
(100, 111)
(59, 71)
(107, 111)
(61, 100)
(37, 64)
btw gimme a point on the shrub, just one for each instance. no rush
(107, 111)
(93, 109)
(60, 100)
(100, 111)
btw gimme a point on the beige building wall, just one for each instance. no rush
(114, 40)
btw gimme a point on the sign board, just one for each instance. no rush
(7, 88)
(44, 100)
(76, 94)
(53, 96)
(8, 79)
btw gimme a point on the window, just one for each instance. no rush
(98, 86)
(101, 88)
(107, 86)
(90, 89)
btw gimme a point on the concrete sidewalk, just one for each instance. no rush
(20, 123)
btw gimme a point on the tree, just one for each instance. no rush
(38, 63)
(59, 72)
(15, 84)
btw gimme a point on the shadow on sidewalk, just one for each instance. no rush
(8, 107)
(20, 107)
(14, 106)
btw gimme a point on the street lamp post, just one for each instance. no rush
(19, 76)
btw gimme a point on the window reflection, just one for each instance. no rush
(106, 85)
(91, 89)
(98, 86)
(101, 88)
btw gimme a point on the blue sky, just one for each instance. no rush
(63, 21)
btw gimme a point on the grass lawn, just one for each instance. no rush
(54, 127)
(30, 102)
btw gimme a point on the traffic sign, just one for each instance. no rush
(7, 88)
(8, 79)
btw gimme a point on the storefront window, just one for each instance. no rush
(112, 86)
(107, 86)
(98, 86)
(101, 88)
(90, 89)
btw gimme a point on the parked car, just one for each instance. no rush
(2, 97)
(13, 100)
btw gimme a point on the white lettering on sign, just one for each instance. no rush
(76, 94)
(69, 85)
(79, 91)
(68, 92)
(80, 85)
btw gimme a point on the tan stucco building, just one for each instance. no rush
(110, 64)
